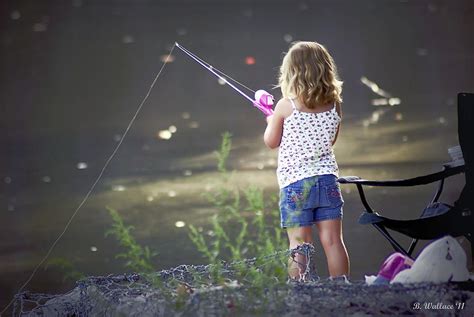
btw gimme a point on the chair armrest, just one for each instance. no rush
(420, 180)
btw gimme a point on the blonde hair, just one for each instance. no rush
(309, 73)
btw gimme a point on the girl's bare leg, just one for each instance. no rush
(330, 235)
(297, 236)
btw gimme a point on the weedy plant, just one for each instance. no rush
(236, 237)
(247, 248)
(68, 269)
(137, 258)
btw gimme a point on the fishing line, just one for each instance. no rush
(194, 56)
(96, 181)
(262, 100)
(212, 70)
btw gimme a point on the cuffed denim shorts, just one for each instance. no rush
(310, 200)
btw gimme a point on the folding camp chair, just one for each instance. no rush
(437, 219)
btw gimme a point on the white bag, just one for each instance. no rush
(441, 261)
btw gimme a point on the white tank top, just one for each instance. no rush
(306, 145)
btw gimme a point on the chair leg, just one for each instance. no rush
(390, 239)
(471, 239)
(470, 261)
(412, 246)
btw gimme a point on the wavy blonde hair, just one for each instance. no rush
(309, 73)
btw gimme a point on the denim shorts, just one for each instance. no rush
(310, 200)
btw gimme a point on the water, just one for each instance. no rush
(68, 91)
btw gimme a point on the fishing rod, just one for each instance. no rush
(262, 100)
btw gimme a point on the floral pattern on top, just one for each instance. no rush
(306, 145)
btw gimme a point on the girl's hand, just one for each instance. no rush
(264, 102)
(274, 130)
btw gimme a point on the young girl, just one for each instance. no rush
(304, 126)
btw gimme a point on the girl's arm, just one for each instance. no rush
(274, 130)
(339, 112)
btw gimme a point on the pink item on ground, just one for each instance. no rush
(264, 102)
(394, 264)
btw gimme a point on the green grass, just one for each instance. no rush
(68, 269)
(137, 258)
(237, 236)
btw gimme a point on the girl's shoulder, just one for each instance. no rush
(284, 107)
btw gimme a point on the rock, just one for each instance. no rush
(136, 295)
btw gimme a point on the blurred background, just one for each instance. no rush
(72, 73)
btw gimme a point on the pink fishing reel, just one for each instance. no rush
(264, 102)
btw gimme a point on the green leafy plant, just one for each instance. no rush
(67, 267)
(224, 151)
(244, 238)
(137, 258)
(236, 236)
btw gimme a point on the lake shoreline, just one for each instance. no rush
(133, 295)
